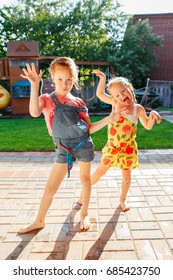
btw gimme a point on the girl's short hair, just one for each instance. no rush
(119, 80)
(68, 63)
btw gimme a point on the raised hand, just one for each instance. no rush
(31, 75)
(117, 113)
(99, 74)
(155, 115)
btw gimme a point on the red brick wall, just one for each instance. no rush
(162, 24)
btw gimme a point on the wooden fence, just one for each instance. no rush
(164, 91)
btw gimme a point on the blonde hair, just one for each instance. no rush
(123, 81)
(68, 63)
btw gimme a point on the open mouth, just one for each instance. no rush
(125, 99)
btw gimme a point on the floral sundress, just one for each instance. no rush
(121, 147)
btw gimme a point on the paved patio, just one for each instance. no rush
(143, 233)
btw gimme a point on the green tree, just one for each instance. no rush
(86, 30)
(136, 57)
(75, 28)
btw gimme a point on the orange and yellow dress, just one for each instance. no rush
(121, 147)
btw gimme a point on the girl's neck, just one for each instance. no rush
(62, 94)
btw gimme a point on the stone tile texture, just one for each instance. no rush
(143, 233)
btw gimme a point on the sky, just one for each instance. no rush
(135, 6)
(147, 6)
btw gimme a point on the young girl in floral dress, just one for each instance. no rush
(121, 147)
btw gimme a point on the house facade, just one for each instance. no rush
(161, 77)
(162, 24)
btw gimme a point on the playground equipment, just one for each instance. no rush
(5, 98)
(21, 52)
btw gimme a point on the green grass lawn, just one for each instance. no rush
(30, 134)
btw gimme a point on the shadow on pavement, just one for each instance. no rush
(96, 250)
(68, 226)
(93, 254)
(26, 238)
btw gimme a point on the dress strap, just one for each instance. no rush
(132, 117)
(55, 99)
(135, 110)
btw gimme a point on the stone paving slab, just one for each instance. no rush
(143, 233)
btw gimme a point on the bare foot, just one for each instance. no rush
(85, 223)
(124, 206)
(31, 227)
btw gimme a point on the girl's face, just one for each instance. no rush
(122, 93)
(63, 80)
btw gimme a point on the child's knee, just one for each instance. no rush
(85, 178)
(101, 171)
(50, 191)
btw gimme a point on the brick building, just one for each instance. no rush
(162, 24)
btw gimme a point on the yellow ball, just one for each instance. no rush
(5, 97)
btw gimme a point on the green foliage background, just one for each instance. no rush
(85, 30)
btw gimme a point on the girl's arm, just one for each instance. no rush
(148, 122)
(93, 127)
(113, 117)
(100, 92)
(35, 106)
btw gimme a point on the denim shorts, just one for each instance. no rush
(85, 153)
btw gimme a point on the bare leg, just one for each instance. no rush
(56, 176)
(126, 180)
(85, 168)
(100, 171)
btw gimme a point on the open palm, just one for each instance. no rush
(31, 75)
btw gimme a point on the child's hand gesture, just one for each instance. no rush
(99, 74)
(155, 116)
(31, 75)
(117, 112)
